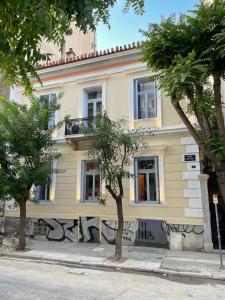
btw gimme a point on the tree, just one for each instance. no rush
(27, 151)
(24, 24)
(113, 148)
(189, 59)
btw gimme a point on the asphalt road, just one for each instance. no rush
(26, 280)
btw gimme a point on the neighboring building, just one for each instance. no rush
(78, 42)
(164, 196)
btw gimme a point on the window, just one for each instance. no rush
(145, 99)
(147, 179)
(46, 100)
(39, 228)
(91, 181)
(94, 103)
(42, 193)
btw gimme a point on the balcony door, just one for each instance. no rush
(94, 103)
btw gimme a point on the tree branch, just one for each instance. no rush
(114, 195)
(124, 156)
(187, 123)
(201, 118)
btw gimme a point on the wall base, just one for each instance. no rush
(89, 229)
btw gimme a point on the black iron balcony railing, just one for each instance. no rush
(74, 126)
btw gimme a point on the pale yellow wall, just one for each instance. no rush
(66, 204)
(118, 96)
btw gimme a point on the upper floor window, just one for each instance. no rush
(94, 103)
(147, 179)
(91, 181)
(47, 99)
(145, 98)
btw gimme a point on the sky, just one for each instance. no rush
(125, 27)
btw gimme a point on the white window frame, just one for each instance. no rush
(145, 94)
(51, 96)
(83, 113)
(133, 180)
(56, 92)
(155, 171)
(83, 182)
(94, 101)
(51, 188)
(132, 102)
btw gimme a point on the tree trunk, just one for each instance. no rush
(22, 238)
(218, 104)
(119, 233)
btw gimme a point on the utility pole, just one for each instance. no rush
(215, 201)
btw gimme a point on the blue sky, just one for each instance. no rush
(125, 27)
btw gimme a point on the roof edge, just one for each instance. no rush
(90, 55)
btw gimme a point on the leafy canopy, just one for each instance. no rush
(25, 23)
(188, 56)
(26, 147)
(201, 32)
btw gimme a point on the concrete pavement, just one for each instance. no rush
(136, 259)
(25, 280)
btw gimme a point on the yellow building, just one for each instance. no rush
(163, 200)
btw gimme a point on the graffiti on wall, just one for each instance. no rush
(181, 228)
(60, 230)
(89, 229)
(109, 228)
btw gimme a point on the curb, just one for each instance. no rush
(117, 267)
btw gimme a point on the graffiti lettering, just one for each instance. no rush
(109, 228)
(60, 230)
(89, 229)
(181, 228)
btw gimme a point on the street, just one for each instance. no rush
(22, 279)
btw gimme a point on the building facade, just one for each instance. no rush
(162, 202)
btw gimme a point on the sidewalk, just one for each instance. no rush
(136, 258)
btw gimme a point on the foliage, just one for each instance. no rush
(186, 54)
(26, 147)
(25, 23)
(113, 147)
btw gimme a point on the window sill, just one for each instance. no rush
(147, 119)
(133, 203)
(87, 203)
(45, 202)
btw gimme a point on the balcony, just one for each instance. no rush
(73, 133)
